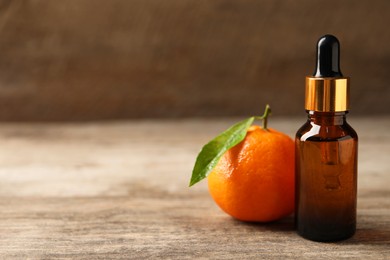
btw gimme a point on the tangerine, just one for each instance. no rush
(254, 180)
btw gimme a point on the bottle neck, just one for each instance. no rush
(327, 118)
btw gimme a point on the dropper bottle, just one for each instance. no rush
(326, 153)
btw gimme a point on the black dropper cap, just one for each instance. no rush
(327, 90)
(328, 57)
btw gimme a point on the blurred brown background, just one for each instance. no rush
(95, 59)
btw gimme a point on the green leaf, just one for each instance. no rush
(212, 152)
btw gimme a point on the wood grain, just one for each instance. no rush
(119, 190)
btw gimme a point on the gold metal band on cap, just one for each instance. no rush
(327, 94)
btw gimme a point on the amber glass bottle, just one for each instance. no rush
(326, 153)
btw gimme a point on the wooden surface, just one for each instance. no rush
(119, 190)
(99, 59)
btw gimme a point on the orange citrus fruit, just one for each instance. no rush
(254, 180)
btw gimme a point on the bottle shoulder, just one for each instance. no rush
(316, 132)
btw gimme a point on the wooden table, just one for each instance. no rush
(120, 190)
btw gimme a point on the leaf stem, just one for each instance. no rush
(264, 117)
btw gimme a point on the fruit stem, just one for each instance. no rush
(264, 117)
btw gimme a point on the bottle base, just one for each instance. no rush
(326, 237)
